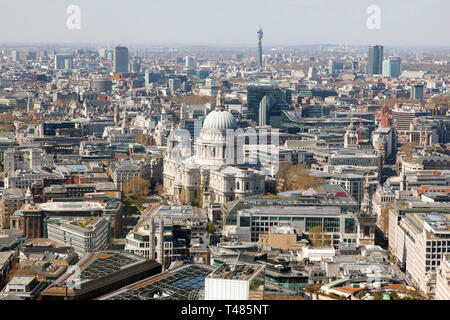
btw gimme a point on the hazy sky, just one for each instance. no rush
(227, 22)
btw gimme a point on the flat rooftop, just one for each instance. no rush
(21, 280)
(183, 283)
(70, 206)
(295, 211)
(175, 210)
(240, 272)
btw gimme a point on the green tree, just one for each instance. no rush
(293, 177)
(361, 294)
(378, 295)
(211, 227)
(129, 207)
(136, 188)
(394, 295)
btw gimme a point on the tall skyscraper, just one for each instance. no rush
(120, 60)
(375, 60)
(391, 67)
(260, 35)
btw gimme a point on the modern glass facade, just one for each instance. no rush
(375, 60)
(255, 94)
(332, 221)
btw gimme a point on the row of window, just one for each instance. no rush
(437, 243)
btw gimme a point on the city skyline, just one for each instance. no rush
(203, 22)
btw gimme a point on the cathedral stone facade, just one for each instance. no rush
(215, 172)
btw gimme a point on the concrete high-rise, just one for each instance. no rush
(375, 60)
(190, 62)
(63, 61)
(120, 60)
(417, 92)
(15, 56)
(260, 35)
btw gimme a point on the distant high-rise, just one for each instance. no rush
(335, 67)
(102, 52)
(417, 92)
(391, 67)
(15, 56)
(63, 61)
(174, 84)
(375, 60)
(120, 60)
(190, 62)
(260, 35)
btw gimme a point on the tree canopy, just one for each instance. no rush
(293, 177)
(136, 188)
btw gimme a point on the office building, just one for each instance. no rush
(236, 282)
(335, 67)
(63, 61)
(35, 217)
(15, 159)
(338, 227)
(183, 283)
(417, 92)
(24, 287)
(174, 84)
(403, 116)
(120, 60)
(375, 60)
(443, 279)
(83, 235)
(7, 263)
(15, 56)
(255, 95)
(190, 62)
(12, 200)
(391, 67)
(100, 273)
(166, 237)
(420, 238)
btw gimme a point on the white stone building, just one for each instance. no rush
(419, 241)
(443, 279)
(214, 169)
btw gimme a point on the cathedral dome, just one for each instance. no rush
(220, 119)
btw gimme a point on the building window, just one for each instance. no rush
(350, 225)
(244, 221)
(312, 222)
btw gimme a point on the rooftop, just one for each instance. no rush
(100, 264)
(240, 272)
(176, 210)
(183, 283)
(295, 211)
